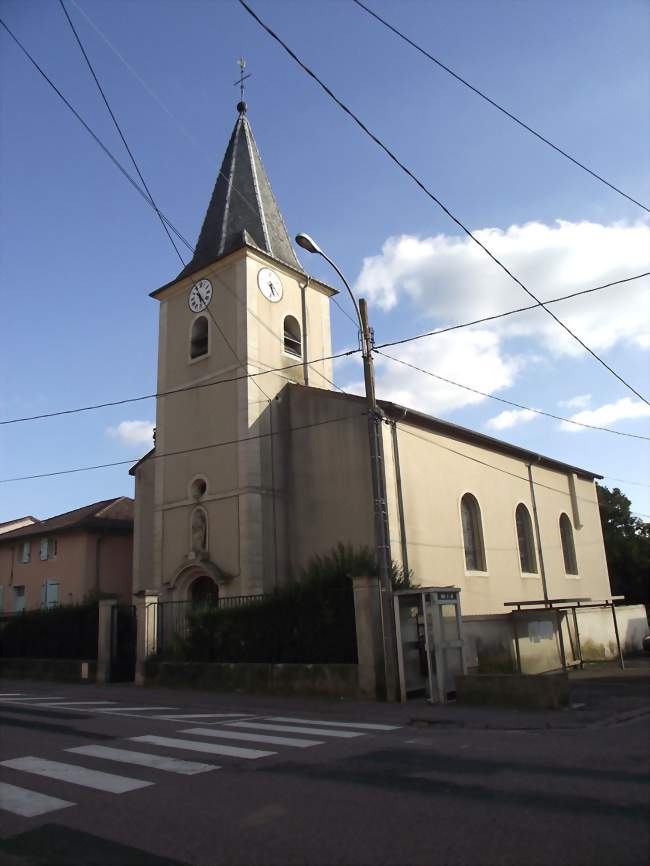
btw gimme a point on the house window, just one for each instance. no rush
(19, 598)
(26, 551)
(526, 540)
(472, 533)
(292, 339)
(568, 547)
(49, 548)
(199, 338)
(50, 594)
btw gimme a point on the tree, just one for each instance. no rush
(627, 546)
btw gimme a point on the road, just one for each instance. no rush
(119, 775)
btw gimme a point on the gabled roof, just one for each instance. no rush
(116, 513)
(243, 209)
(17, 523)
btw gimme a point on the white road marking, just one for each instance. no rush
(132, 709)
(24, 700)
(254, 738)
(158, 762)
(179, 717)
(75, 775)
(365, 726)
(294, 729)
(208, 748)
(74, 704)
(12, 694)
(28, 804)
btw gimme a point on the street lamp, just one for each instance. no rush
(382, 537)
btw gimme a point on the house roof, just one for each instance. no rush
(98, 515)
(454, 431)
(243, 209)
(17, 523)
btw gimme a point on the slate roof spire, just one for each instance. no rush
(243, 209)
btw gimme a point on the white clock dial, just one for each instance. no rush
(200, 296)
(270, 285)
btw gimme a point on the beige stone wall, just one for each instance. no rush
(243, 503)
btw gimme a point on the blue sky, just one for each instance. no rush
(80, 251)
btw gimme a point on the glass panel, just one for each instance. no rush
(449, 624)
(413, 649)
(453, 657)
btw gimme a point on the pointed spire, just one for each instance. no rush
(243, 209)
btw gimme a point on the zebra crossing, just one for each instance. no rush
(231, 736)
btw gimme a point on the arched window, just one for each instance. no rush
(526, 540)
(292, 339)
(472, 533)
(199, 339)
(568, 547)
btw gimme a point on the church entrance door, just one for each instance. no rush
(204, 592)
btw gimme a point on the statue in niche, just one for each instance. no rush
(199, 531)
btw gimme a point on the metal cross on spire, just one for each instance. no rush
(241, 79)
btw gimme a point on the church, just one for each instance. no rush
(260, 462)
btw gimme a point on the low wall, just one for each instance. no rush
(63, 670)
(531, 691)
(319, 680)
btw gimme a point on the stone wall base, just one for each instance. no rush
(313, 680)
(533, 691)
(63, 670)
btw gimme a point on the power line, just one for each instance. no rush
(509, 312)
(509, 402)
(119, 129)
(173, 391)
(500, 468)
(434, 198)
(496, 105)
(181, 451)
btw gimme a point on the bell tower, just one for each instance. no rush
(236, 327)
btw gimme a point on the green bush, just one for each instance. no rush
(310, 620)
(68, 632)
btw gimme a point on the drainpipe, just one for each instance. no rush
(542, 571)
(400, 497)
(305, 352)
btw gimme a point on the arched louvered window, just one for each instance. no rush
(568, 547)
(472, 533)
(199, 338)
(292, 338)
(526, 540)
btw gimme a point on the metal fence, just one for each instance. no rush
(174, 617)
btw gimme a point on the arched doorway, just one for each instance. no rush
(204, 592)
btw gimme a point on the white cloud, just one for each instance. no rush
(474, 358)
(449, 279)
(603, 416)
(577, 402)
(133, 433)
(510, 418)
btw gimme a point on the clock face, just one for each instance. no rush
(270, 285)
(200, 296)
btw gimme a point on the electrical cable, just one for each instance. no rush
(433, 197)
(181, 451)
(509, 402)
(496, 105)
(119, 129)
(510, 312)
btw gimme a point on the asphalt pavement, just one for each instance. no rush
(100, 776)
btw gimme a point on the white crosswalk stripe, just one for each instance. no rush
(28, 804)
(24, 700)
(119, 709)
(187, 717)
(75, 775)
(219, 733)
(73, 705)
(208, 748)
(12, 694)
(144, 759)
(296, 729)
(358, 725)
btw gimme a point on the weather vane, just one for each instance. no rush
(242, 77)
